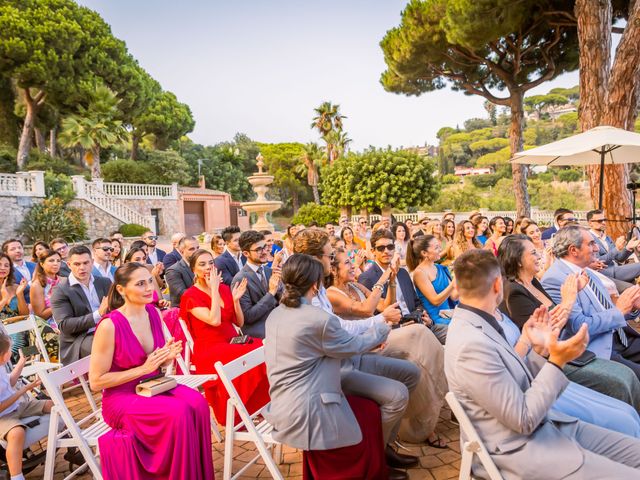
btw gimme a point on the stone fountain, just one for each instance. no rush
(260, 182)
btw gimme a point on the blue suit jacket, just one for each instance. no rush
(546, 235)
(18, 277)
(171, 258)
(610, 253)
(371, 276)
(587, 309)
(228, 266)
(160, 254)
(96, 273)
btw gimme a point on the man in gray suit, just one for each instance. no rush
(508, 398)
(179, 276)
(261, 295)
(78, 304)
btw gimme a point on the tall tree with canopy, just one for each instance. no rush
(480, 47)
(328, 122)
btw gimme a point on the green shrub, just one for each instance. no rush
(312, 212)
(543, 177)
(51, 219)
(456, 198)
(58, 186)
(450, 179)
(166, 167)
(569, 175)
(124, 170)
(8, 159)
(484, 181)
(132, 230)
(46, 163)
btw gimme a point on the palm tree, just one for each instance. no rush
(328, 120)
(313, 158)
(94, 128)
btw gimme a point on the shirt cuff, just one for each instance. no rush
(379, 318)
(96, 316)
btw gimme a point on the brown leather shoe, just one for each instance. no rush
(398, 460)
(397, 474)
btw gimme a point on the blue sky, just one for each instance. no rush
(260, 67)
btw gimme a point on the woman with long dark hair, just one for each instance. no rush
(212, 312)
(129, 347)
(38, 249)
(340, 437)
(498, 228)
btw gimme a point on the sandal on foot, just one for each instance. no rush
(436, 443)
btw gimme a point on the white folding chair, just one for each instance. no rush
(15, 325)
(259, 434)
(194, 381)
(188, 348)
(473, 444)
(82, 434)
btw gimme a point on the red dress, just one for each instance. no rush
(211, 344)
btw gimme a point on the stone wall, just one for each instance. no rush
(13, 211)
(169, 213)
(99, 223)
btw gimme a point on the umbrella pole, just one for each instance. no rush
(601, 179)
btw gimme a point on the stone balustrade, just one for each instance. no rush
(22, 184)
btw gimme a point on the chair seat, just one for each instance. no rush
(91, 434)
(264, 428)
(193, 381)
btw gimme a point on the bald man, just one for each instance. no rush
(174, 255)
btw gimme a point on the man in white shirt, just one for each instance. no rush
(102, 266)
(78, 304)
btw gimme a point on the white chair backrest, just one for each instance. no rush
(79, 370)
(179, 360)
(29, 325)
(187, 333)
(473, 444)
(240, 365)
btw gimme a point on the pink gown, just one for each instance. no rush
(163, 437)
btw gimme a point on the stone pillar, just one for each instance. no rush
(174, 191)
(21, 184)
(37, 183)
(79, 185)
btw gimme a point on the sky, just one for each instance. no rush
(260, 67)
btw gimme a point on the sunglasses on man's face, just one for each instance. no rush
(152, 237)
(107, 249)
(381, 248)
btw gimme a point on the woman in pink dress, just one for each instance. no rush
(211, 310)
(167, 436)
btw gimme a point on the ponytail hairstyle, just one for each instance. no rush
(299, 275)
(329, 279)
(121, 277)
(416, 247)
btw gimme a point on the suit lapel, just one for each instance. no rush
(80, 295)
(253, 278)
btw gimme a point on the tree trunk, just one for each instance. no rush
(316, 194)
(295, 201)
(27, 129)
(53, 142)
(40, 141)
(135, 143)
(516, 143)
(608, 96)
(95, 165)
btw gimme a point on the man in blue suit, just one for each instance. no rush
(561, 217)
(102, 266)
(609, 335)
(154, 254)
(14, 249)
(612, 254)
(383, 246)
(232, 260)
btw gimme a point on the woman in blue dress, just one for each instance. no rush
(434, 285)
(582, 402)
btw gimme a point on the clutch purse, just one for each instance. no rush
(156, 386)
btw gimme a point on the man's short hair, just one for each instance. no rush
(568, 236)
(310, 241)
(380, 233)
(99, 241)
(560, 211)
(228, 232)
(147, 231)
(330, 223)
(5, 244)
(184, 240)
(592, 213)
(138, 244)
(5, 343)
(115, 232)
(248, 238)
(79, 250)
(266, 232)
(475, 272)
(176, 237)
(58, 240)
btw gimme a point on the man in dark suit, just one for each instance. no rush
(232, 260)
(78, 303)
(383, 247)
(561, 217)
(179, 276)
(14, 249)
(262, 294)
(174, 255)
(154, 255)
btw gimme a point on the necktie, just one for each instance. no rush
(263, 279)
(606, 303)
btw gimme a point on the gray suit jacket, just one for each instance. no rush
(256, 303)
(303, 350)
(74, 315)
(179, 277)
(509, 409)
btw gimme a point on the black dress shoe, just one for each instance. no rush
(397, 474)
(398, 460)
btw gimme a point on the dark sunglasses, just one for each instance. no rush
(107, 249)
(381, 248)
(152, 237)
(603, 220)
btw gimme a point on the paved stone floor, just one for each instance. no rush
(435, 464)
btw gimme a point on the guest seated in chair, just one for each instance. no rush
(340, 435)
(508, 394)
(15, 406)
(523, 293)
(212, 312)
(166, 436)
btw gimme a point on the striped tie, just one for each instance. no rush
(606, 303)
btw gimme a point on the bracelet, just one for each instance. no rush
(378, 286)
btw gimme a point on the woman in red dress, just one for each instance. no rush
(211, 309)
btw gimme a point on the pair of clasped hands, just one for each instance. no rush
(162, 356)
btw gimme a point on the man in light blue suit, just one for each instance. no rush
(610, 336)
(102, 266)
(14, 249)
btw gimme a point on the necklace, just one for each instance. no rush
(349, 291)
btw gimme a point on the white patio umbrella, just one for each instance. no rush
(599, 146)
